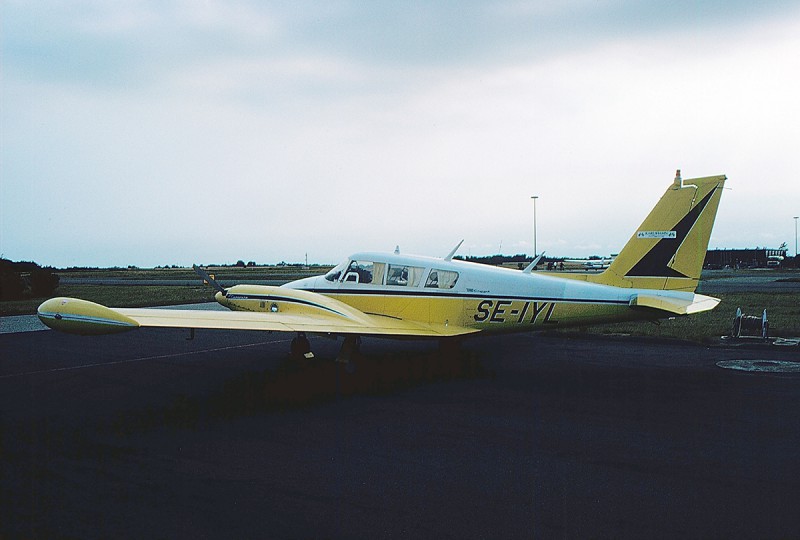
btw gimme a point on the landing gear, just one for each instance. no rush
(300, 347)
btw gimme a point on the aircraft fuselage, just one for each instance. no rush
(440, 292)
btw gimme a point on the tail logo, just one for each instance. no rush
(656, 234)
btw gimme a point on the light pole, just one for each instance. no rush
(795, 237)
(534, 197)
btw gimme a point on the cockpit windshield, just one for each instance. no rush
(335, 273)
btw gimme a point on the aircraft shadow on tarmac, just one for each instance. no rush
(303, 383)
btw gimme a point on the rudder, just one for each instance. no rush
(668, 249)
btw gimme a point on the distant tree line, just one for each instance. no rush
(26, 279)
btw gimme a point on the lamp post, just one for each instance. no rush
(795, 237)
(534, 197)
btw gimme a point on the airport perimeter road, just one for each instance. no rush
(147, 435)
(732, 281)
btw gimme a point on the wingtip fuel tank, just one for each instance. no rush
(76, 316)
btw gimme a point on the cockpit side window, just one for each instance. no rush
(406, 276)
(441, 279)
(359, 272)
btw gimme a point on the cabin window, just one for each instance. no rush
(441, 279)
(359, 272)
(405, 276)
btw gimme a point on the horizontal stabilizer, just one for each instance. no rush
(694, 303)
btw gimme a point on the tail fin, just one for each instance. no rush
(668, 249)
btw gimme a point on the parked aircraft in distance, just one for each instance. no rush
(592, 264)
(400, 296)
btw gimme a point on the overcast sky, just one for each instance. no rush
(151, 133)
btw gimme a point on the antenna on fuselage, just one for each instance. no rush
(534, 262)
(449, 256)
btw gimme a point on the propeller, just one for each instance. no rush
(211, 281)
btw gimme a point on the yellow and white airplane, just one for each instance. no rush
(395, 295)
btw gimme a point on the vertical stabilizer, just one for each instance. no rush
(668, 249)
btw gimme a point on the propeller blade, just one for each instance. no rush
(208, 279)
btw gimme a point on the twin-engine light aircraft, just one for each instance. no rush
(404, 296)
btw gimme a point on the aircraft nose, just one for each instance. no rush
(220, 298)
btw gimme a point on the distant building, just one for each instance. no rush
(745, 258)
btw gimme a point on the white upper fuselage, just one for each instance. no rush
(474, 280)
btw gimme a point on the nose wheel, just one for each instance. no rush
(300, 347)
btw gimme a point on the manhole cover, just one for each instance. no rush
(772, 366)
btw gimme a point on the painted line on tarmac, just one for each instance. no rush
(763, 366)
(142, 359)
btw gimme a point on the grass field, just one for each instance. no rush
(118, 296)
(783, 312)
(155, 295)
(219, 272)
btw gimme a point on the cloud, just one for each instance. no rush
(221, 132)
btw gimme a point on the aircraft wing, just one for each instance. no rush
(327, 316)
(687, 305)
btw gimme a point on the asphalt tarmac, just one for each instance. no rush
(148, 435)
